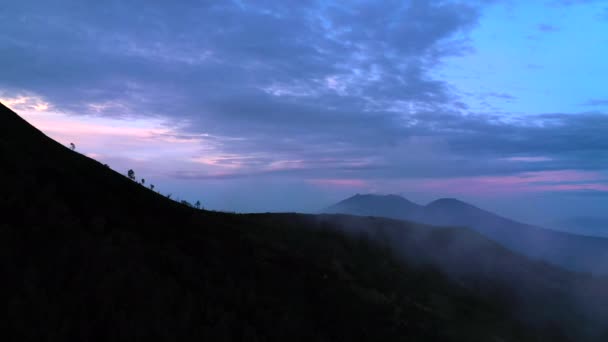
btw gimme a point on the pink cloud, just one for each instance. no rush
(574, 187)
(528, 159)
(350, 183)
(562, 180)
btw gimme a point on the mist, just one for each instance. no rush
(569, 303)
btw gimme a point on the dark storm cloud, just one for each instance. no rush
(316, 87)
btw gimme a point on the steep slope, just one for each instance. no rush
(575, 252)
(87, 254)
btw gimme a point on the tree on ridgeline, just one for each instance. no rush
(131, 175)
(197, 204)
(72, 147)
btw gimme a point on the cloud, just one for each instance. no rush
(349, 183)
(338, 93)
(245, 69)
(527, 182)
(533, 66)
(194, 52)
(547, 28)
(604, 14)
(574, 2)
(498, 95)
(596, 102)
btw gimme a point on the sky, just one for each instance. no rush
(291, 105)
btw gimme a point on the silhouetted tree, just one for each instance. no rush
(131, 175)
(152, 187)
(143, 181)
(197, 204)
(72, 146)
(169, 196)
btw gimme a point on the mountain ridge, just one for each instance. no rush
(575, 252)
(88, 254)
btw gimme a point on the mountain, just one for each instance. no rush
(88, 254)
(575, 252)
(391, 206)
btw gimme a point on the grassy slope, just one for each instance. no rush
(86, 253)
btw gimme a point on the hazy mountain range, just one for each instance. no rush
(583, 225)
(575, 252)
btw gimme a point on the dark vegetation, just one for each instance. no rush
(545, 296)
(88, 254)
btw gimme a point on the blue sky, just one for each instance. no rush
(536, 58)
(290, 105)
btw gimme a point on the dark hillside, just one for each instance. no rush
(87, 254)
(544, 296)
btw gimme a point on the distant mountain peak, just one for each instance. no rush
(393, 206)
(561, 248)
(449, 203)
(378, 198)
(377, 195)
